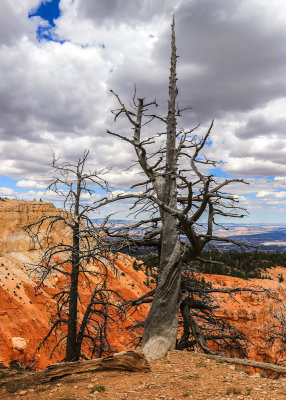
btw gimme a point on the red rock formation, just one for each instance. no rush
(25, 314)
(252, 314)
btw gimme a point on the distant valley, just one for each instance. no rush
(266, 237)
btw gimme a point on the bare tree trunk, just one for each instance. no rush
(190, 323)
(72, 350)
(161, 326)
(71, 347)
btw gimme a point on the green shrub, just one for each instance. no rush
(16, 364)
(233, 390)
(16, 386)
(98, 388)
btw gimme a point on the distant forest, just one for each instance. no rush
(241, 264)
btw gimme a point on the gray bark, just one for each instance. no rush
(161, 326)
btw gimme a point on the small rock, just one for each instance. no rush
(23, 392)
(19, 343)
(255, 376)
(91, 396)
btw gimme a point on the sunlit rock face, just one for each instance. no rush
(15, 216)
(252, 314)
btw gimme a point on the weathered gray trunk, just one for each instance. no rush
(161, 326)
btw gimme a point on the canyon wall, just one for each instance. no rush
(25, 313)
(253, 314)
(15, 215)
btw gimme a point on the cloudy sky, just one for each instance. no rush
(59, 58)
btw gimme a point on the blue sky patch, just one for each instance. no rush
(48, 11)
(8, 182)
(218, 173)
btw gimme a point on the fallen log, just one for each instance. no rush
(248, 363)
(125, 360)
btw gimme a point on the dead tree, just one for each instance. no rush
(83, 255)
(179, 193)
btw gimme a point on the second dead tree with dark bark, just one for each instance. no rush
(83, 255)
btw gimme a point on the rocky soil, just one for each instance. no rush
(180, 375)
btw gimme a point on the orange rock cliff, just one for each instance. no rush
(25, 313)
(252, 314)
